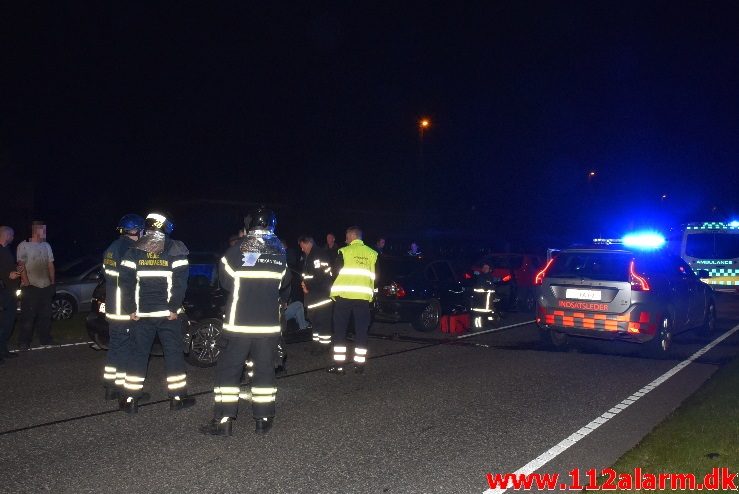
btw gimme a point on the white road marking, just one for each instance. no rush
(478, 333)
(576, 436)
(47, 347)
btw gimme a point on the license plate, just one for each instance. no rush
(582, 294)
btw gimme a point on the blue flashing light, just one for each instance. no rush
(644, 240)
(734, 224)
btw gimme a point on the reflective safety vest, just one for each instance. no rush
(356, 279)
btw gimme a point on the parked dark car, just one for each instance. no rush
(619, 294)
(417, 290)
(201, 322)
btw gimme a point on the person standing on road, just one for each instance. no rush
(316, 285)
(36, 262)
(483, 299)
(332, 248)
(9, 282)
(255, 273)
(153, 279)
(119, 322)
(353, 291)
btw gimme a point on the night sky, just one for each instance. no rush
(312, 107)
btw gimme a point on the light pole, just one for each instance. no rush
(423, 125)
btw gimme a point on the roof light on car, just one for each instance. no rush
(644, 240)
(539, 278)
(734, 224)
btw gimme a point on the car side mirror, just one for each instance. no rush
(702, 273)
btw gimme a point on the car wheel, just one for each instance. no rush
(428, 319)
(709, 324)
(554, 339)
(62, 308)
(203, 350)
(661, 344)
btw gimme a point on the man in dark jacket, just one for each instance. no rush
(255, 273)
(153, 280)
(119, 322)
(316, 284)
(9, 283)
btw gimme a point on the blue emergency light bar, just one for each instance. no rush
(644, 240)
(734, 224)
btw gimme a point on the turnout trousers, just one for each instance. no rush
(144, 331)
(235, 348)
(320, 318)
(344, 309)
(120, 349)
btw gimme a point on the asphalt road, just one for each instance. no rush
(431, 414)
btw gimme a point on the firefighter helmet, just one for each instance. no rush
(130, 224)
(160, 223)
(261, 219)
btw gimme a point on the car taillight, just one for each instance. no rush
(638, 283)
(506, 278)
(468, 276)
(393, 290)
(539, 278)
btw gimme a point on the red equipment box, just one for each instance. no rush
(455, 323)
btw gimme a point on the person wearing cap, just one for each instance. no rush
(255, 273)
(153, 280)
(119, 323)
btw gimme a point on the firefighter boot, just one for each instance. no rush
(181, 402)
(263, 425)
(218, 427)
(129, 404)
(339, 370)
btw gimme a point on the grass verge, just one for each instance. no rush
(702, 434)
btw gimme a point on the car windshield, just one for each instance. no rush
(393, 268)
(606, 266)
(77, 267)
(712, 245)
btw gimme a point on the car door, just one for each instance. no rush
(680, 292)
(87, 285)
(697, 291)
(450, 291)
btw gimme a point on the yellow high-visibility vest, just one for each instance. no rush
(356, 279)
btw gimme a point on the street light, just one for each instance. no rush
(423, 125)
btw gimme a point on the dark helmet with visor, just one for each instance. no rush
(130, 224)
(261, 219)
(159, 223)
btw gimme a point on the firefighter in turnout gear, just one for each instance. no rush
(353, 291)
(255, 273)
(119, 322)
(316, 285)
(153, 278)
(483, 299)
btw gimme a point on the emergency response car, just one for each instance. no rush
(619, 292)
